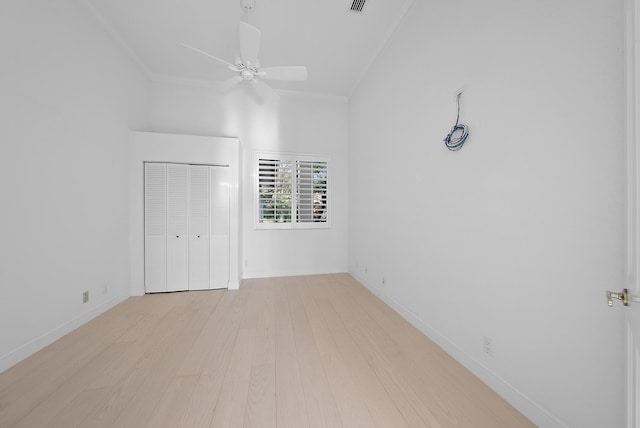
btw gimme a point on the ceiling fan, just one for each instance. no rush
(247, 64)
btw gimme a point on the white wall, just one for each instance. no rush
(68, 97)
(282, 121)
(517, 236)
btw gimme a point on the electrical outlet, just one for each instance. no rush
(85, 297)
(384, 281)
(487, 346)
(366, 269)
(105, 289)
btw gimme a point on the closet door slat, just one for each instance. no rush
(155, 252)
(177, 200)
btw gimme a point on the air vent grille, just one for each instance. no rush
(357, 5)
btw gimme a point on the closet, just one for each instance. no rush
(186, 245)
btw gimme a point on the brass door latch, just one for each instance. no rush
(623, 296)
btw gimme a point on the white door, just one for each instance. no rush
(631, 294)
(219, 226)
(186, 227)
(177, 232)
(199, 227)
(155, 237)
(632, 311)
(632, 320)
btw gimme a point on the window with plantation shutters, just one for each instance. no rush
(292, 191)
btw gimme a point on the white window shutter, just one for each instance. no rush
(311, 191)
(274, 188)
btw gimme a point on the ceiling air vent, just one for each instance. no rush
(357, 5)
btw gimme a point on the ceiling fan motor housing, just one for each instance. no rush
(248, 5)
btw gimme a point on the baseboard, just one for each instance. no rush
(15, 356)
(278, 274)
(532, 410)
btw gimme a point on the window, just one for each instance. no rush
(293, 191)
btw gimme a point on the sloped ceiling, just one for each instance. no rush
(335, 44)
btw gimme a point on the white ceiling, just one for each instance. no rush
(336, 45)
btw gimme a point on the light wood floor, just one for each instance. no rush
(315, 351)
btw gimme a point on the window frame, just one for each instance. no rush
(294, 223)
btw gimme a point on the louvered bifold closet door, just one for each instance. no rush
(199, 228)
(219, 226)
(155, 236)
(177, 227)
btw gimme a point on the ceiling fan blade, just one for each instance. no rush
(233, 67)
(284, 73)
(263, 90)
(249, 43)
(228, 84)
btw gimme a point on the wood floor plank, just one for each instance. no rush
(381, 406)
(352, 409)
(454, 395)
(261, 399)
(372, 341)
(184, 332)
(205, 396)
(194, 362)
(33, 366)
(290, 399)
(165, 345)
(432, 385)
(317, 351)
(232, 404)
(61, 362)
(254, 303)
(321, 406)
(107, 368)
(173, 405)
